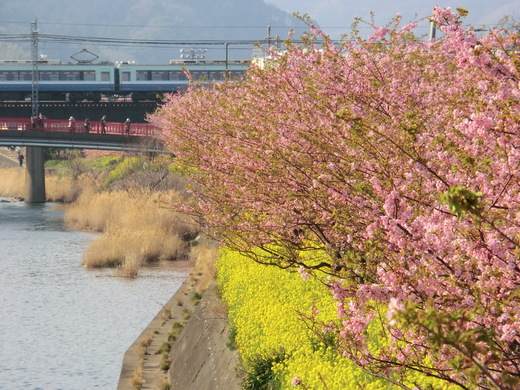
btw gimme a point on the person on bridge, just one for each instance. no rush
(87, 125)
(72, 124)
(40, 120)
(127, 126)
(103, 124)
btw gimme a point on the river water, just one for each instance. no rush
(62, 326)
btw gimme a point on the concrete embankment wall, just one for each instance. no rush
(200, 359)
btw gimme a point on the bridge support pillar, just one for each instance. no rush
(34, 175)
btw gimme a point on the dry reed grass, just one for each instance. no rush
(131, 265)
(57, 189)
(149, 243)
(205, 256)
(12, 182)
(133, 229)
(65, 189)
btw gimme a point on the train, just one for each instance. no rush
(124, 80)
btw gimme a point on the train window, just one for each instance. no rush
(89, 75)
(237, 74)
(216, 75)
(105, 76)
(49, 75)
(6, 76)
(176, 75)
(69, 75)
(159, 75)
(11, 75)
(125, 76)
(26, 75)
(199, 75)
(141, 75)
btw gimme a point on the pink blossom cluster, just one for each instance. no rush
(351, 159)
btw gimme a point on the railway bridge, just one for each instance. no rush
(36, 134)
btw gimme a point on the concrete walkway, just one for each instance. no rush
(199, 358)
(8, 158)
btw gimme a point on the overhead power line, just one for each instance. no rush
(145, 42)
(68, 39)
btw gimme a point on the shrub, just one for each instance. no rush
(260, 375)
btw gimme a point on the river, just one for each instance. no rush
(62, 326)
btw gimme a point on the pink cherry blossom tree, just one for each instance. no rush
(392, 165)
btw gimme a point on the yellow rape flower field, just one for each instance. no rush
(264, 305)
(264, 302)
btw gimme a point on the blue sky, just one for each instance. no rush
(336, 16)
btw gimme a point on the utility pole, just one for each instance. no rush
(433, 29)
(227, 57)
(269, 36)
(35, 76)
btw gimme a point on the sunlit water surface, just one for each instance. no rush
(62, 326)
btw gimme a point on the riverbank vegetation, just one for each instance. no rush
(135, 231)
(124, 199)
(388, 164)
(12, 183)
(58, 189)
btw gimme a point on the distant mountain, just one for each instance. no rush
(335, 16)
(154, 20)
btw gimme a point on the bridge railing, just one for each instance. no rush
(60, 125)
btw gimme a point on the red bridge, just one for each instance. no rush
(66, 126)
(132, 137)
(35, 134)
